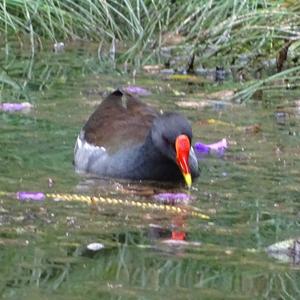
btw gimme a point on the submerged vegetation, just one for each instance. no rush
(251, 39)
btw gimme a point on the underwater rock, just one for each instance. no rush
(220, 74)
(281, 117)
(286, 251)
(167, 71)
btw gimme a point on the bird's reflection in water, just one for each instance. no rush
(172, 239)
(107, 187)
(165, 232)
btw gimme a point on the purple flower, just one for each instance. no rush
(217, 148)
(172, 198)
(11, 107)
(35, 196)
(136, 90)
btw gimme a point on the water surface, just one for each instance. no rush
(251, 195)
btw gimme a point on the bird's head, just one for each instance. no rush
(172, 135)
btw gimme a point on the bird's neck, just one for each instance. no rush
(144, 161)
(151, 158)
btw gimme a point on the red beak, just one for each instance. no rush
(183, 146)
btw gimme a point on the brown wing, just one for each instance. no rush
(120, 121)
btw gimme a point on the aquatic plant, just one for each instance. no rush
(248, 37)
(209, 26)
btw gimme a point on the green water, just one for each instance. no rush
(252, 195)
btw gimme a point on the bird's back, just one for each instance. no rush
(120, 121)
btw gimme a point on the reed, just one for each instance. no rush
(214, 32)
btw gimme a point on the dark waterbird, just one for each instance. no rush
(126, 138)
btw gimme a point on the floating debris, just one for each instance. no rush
(217, 105)
(281, 117)
(218, 100)
(167, 71)
(12, 107)
(95, 246)
(58, 47)
(255, 128)
(297, 105)
(215, 122)
(193, 79)
(221, 95)
(39, 196)
(50, 182)
(153, 69)
(172, 38)
(136, 90)
(193, 104)
(174, 242)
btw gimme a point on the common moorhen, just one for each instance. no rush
(126, 138)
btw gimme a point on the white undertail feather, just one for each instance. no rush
(84, 153)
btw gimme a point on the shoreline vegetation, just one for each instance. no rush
(258, 42)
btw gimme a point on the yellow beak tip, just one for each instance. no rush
(188, 179)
